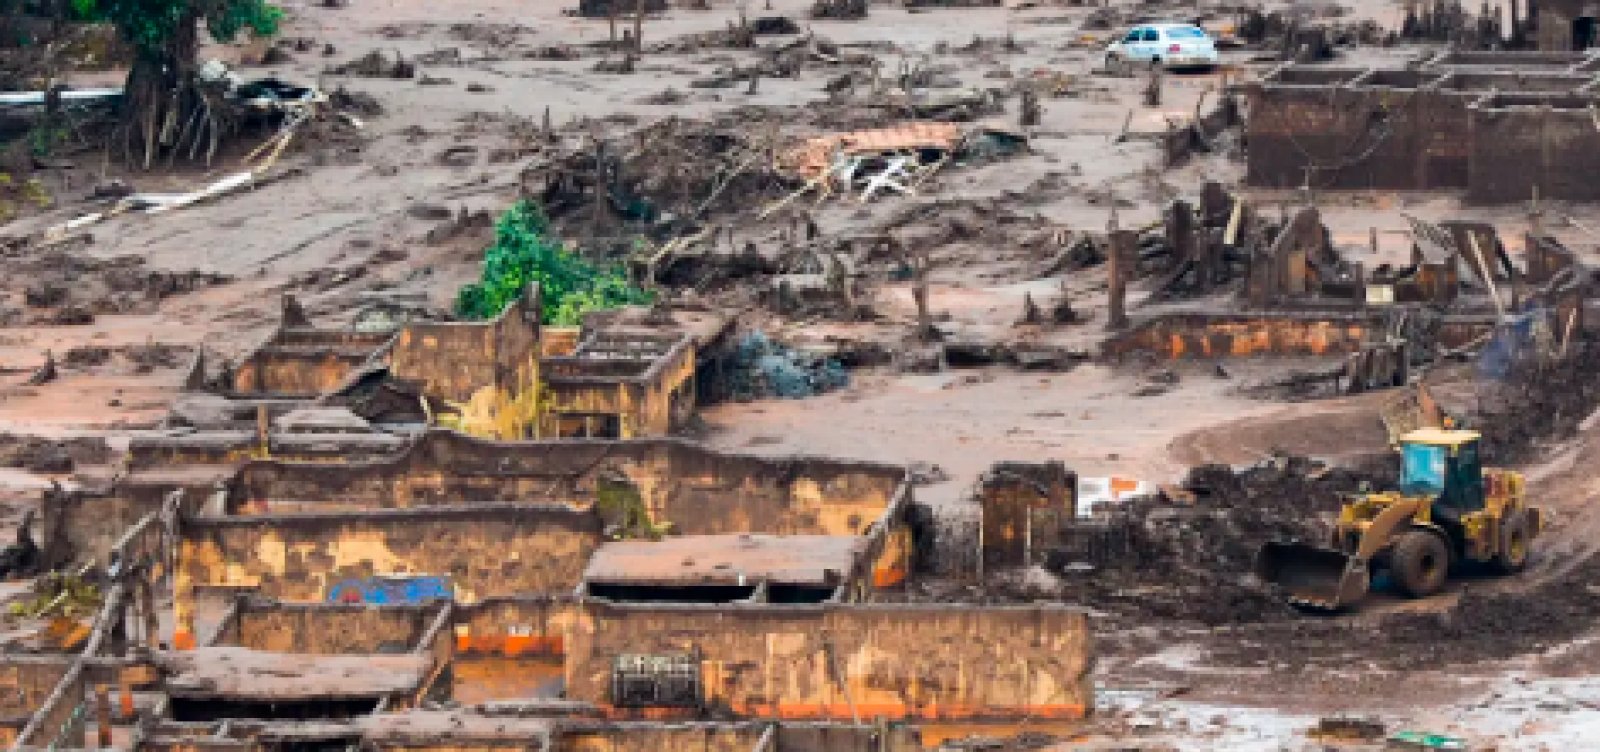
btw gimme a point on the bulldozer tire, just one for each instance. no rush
(1420, 563)
(1514, 538)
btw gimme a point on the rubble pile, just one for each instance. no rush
(61, 287)
(1189, 554)
(761, 367)
(41, 455)
(664, 176)
(1540, 399)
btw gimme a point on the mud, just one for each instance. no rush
(52, 456)
(66, 287)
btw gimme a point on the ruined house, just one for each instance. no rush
(506, 378)
(1500, 126)
(598, 587)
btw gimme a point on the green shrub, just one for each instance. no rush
(524, 252)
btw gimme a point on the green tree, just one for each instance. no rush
(524, 252)
(166, 106)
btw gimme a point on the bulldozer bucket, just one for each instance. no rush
(1312, 577)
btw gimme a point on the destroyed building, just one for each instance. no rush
(592, 585)
(507, 378)
(1500, 126)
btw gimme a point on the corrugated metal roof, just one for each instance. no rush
(812, 156)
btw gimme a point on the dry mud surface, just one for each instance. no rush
(400, 207)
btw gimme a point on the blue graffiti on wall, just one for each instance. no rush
(385, 590)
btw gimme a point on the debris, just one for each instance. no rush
(848, 10)
(375, 64)
(54, 594)
(761, 367)
(45, 373)
(1422, 740)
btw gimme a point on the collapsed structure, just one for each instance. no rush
(507, 378)
(563, 589)
(1502, 126)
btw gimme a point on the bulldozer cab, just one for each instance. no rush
(1443, 465)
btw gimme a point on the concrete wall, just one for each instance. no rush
(453, 361)
(838, 661)
(587, 736)
(700, 491)
(1377, 130)
(304, 362)
(516, 626)
(1021, 507)
(696, 738)
(1210, 336)
(326, 629)
(25, 684)
(485, 551)
(1520, 146)
(651, 404)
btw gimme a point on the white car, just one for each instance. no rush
(1171, 45)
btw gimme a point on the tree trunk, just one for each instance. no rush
(164, 104)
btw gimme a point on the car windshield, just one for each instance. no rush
(1422, 469)
(1186, 32)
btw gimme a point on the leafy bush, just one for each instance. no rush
(152, 26)
(524, 252)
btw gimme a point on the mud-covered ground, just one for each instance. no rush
(405, 204)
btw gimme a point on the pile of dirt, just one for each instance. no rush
(1189, 555)
(1185, 556)
(375, 64)
(59, 287)
(1539, 400)
(42, 455)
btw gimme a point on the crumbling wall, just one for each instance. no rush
(1209, 336)
(484, 551)
(1376, 131)
(1022, 505)
(304, 362)
(702, 492)
(660, 738)
(516, 626)
(328, 629)
(650, 403)
(1519, 146)
(844, 661)
(25, 683)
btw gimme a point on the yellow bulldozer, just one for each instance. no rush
(1449, 510)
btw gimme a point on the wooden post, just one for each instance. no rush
(638, 26)
(1118, 256)
(102, 715)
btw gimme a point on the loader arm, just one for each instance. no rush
(1381, 530)
(1328, 579)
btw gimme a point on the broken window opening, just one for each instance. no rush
(799, 593)
(1583, 32)
(211, 709)
(595, 426)
(672, 594)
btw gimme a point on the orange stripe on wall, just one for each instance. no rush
(510, 645)
(844, 712)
